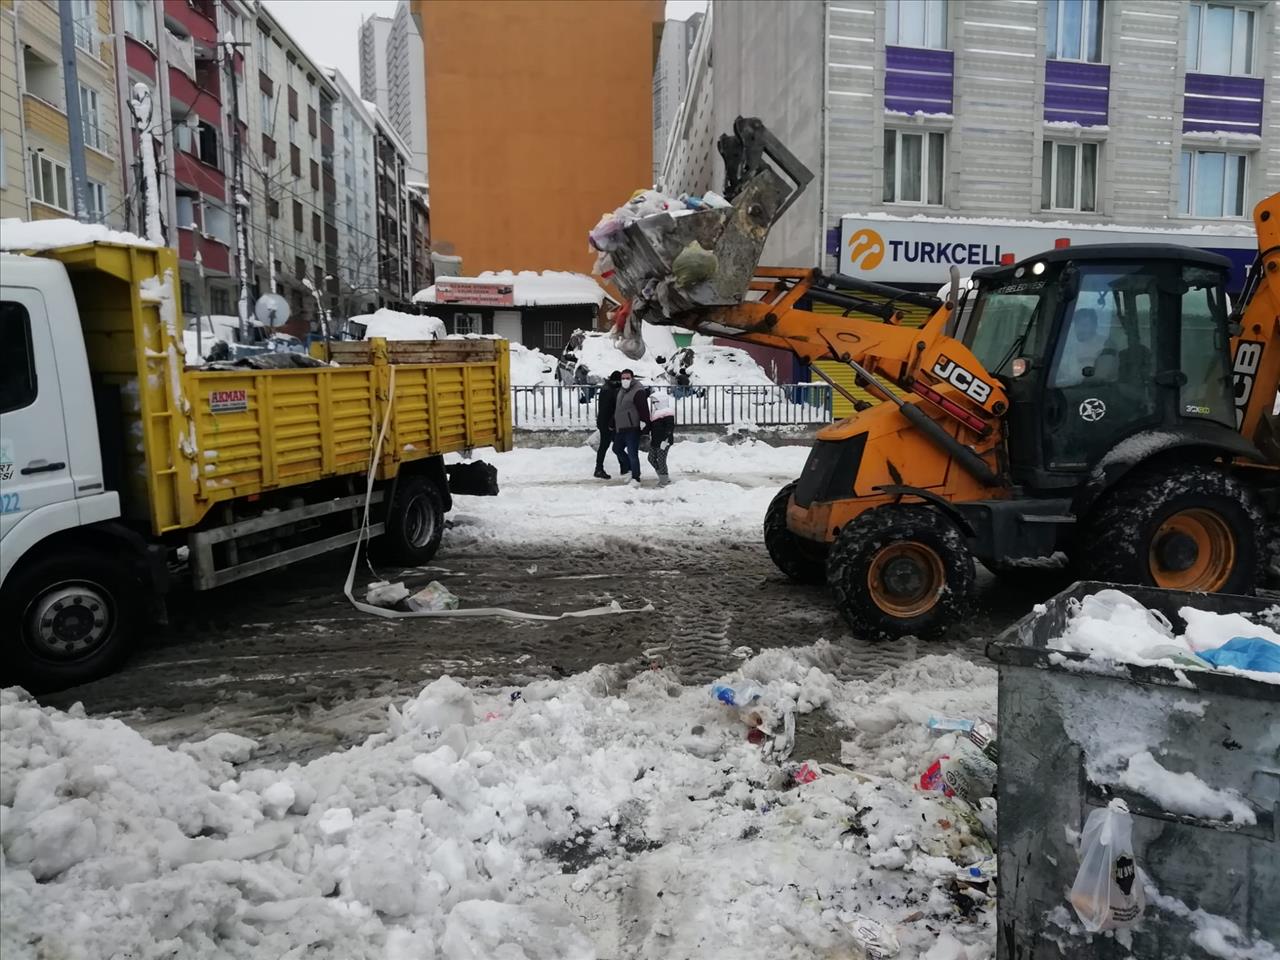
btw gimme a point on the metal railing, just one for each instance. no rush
(550, 406)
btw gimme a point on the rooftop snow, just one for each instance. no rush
(532, 289)
(50, 234)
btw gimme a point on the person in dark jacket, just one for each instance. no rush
(631, 414)
(605, 411)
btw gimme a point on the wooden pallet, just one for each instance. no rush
(358, 352)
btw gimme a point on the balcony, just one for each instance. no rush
(189, 171)
(140, 57)
(184, 90)
(1223, 105)
(214, 254)
(202, 28)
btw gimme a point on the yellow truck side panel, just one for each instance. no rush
(194, 438)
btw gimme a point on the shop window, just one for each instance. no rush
(1074, 30)
(1069, 176)
(916, 23)
(1220, 39)
(913, 167)
(1212, 184)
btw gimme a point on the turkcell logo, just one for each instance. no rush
(866, 249)
(961, 254)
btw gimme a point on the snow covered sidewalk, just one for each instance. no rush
(573, 819)
(719, 490)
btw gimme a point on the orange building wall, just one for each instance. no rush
(539, 119)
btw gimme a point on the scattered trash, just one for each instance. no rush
(533, 568)
(739, 696)
(1107, 894)
(805, 772)
(694, 264)
(969, 776)
(983, 736)
(434, 596)
(1246, 653)
(931, 779)
(949, 725)
(1179, 655)
(383, 593)
(875, 940)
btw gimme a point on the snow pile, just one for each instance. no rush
(719, 365)
(1112, 626)
(394, 325)
(706, 364)
(598, 353)
(531, 367)
(50, 234)
(589, 817)
(530, 288)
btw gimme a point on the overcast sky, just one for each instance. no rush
(330, 32)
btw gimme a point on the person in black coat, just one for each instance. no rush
(604, 423)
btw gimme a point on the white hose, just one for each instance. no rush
(612, 608)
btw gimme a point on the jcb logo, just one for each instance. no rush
(1243, 371)
(866, 246)
(956, 375)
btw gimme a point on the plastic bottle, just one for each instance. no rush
(742, 695)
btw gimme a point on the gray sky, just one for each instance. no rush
(329, 32)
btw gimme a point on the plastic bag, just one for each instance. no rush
(1107, 894)
(1245, 653)
(694, 264)
(434, 596)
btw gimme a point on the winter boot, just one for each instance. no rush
(600, 474)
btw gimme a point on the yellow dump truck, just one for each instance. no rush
(121, 466)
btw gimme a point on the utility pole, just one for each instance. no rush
(140, 106)
(271, 245)
(75, 122)
(241, 198)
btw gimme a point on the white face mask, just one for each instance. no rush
(626, 383)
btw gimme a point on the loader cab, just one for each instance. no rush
(1095, 344)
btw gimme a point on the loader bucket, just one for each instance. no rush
(644, 263)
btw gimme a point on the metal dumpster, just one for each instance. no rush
(1224, 728)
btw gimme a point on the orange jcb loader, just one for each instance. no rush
(1106, 402)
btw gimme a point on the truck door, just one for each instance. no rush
(34, 465)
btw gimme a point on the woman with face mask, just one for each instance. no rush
(631, 414)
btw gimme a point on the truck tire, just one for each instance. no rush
(69, 617)
(801, 560)
(1181, 527)
(415, 522)
(899, 570)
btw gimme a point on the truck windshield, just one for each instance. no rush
(1011, 320)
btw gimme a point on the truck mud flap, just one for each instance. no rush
(476, 479)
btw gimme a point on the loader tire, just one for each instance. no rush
(415, 522)
(69, 617)
(800, 559)
(1179, 527)
(899, 570)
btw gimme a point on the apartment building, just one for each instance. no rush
(35, 148)
(956, 124)
(356, 212)
(670, 77)
(393, 75)
(395, 233)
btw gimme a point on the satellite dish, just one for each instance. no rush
(272, 310)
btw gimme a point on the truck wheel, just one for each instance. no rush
(76, 616)
(1182, 528)
(898, 570)
(799, 559)
(415, 522)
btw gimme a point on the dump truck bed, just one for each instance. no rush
(194, 438)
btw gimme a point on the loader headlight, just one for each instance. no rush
(1020, 366)
(1038, 269)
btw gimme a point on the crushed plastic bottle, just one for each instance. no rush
(872, 940)
(744, 694)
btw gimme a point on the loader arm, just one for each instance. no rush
(1255, 344)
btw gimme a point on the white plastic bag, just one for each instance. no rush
(1107, 894)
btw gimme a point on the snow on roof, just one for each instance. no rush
(50, 234)
(1242, 229)
(532, 289)
(394, 325)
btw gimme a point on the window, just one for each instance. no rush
(140, 20)
(315, 175)
(1213, 184)
(264, 48)
(17, 359)
(913, 167)
(295, 160)
(83, 17)
(90, 118)
(208, 142)
(186, 210)
(552, 335)
(297, 216)
(293, 129)
(95, 199)
(468, 323)
(311, 121)
(1219, 39)
(1074, 30)
(315, 226)
(916, 23)
(1069, 176)
(44, 77)
(268, 111)
(220, 301)
(217, 223)
(299, 268)
(49, 182)
(273, 208)
(1207, 390)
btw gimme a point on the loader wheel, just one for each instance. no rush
(415, 522)
(899, 570)
(1183, 528)
(800, 559)
(70, 617)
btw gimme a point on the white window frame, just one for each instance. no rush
(84, 25)
(1190, 191)
(1198, 13)
(139, 21)
(38, 160)
(934, 28)
(1079, 146)
(90, 105)
(95, 201)
(1058, 9)
(925, 147)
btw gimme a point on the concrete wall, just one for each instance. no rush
(541, 120)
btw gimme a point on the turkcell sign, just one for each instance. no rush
(922, 250)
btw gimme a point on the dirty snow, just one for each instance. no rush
(1184, 792)
(589, 817)
(531, 289)
(20, 235)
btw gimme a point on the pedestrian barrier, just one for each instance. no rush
(549, 406)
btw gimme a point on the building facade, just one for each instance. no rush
(357, 214)
(529, 145)
(1123, 113)
(374, 32)
(393, 75)
(670, 77)
(395, 234)
(35, 148)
